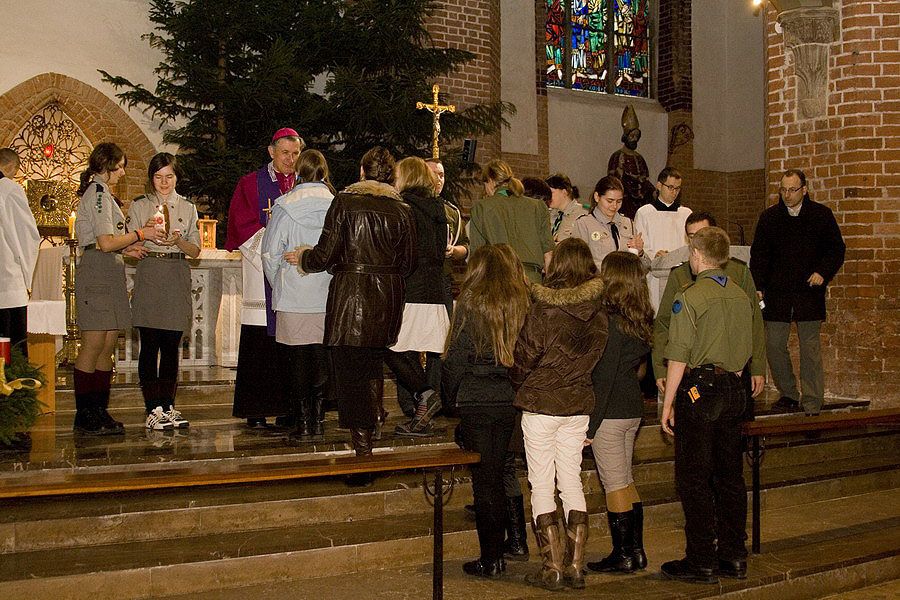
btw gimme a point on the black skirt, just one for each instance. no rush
(258, 386)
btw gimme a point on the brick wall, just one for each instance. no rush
(98, 116)
(852, 160)
(674, 87)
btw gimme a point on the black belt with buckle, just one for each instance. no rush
(174, 255)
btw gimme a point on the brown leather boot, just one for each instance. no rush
(377, 393)
(361, 437)
(576, 538)
(547, 534)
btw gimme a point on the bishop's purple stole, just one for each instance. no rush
(267, 192)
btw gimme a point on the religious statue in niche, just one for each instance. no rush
(628, 165)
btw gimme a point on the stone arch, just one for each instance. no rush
(98, 116)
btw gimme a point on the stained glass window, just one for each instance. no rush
(599, 46)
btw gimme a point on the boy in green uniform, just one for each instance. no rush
(709, 346)
(680, 276)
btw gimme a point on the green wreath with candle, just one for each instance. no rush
(19, 405)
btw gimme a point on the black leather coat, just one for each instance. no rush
(368, 243)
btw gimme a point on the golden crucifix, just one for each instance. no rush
(437, 109)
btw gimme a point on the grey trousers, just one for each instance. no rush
(812, 379)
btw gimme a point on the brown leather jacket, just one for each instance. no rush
(562, 339)
(368, 243)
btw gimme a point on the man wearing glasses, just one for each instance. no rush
(797, 249)
(661, 223)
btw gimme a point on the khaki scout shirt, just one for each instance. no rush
(594, 229)
(681, 276)
(182, 216)
(712, 320)
(98, 214)
(570, 214)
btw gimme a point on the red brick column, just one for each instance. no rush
(851, 155)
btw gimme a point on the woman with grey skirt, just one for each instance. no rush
(161, 303)
(618, 407)
(101, 298)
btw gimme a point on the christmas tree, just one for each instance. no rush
(234, 71)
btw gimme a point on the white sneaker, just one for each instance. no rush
(158, 420)
(176, 419)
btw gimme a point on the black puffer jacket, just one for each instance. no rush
(368, 243)
(471, 380)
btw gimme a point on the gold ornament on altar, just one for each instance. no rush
(437, 109)
(207, 233)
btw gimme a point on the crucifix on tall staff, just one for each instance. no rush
(437, 109)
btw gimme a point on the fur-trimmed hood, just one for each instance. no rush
(368, 187)
(580, 301)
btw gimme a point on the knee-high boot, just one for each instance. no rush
(361, 438)
(548, 536)
(640, 558)
(377, 394)
(102, 386)
(516, 545)
(576, 538)
(621, 560)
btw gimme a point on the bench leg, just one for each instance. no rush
(755, 460)
(437, 577)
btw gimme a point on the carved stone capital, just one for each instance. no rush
(808, 35)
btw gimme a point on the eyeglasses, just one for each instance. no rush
(674, 188)
(790, 190)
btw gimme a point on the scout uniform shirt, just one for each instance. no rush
(594, 229)
(712, 320)
(566, 220)
(679, 278)
(98, 214)
(182, 216)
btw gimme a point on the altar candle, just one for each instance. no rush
(5, 350)
(72, 225)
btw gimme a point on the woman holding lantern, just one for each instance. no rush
(161, 304)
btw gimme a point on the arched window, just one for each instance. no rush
(599, 46)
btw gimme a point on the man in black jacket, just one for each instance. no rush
(797, 249)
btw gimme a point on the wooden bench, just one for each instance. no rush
(757, 431)
(435, 461)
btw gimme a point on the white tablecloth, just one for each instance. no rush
(47, 316)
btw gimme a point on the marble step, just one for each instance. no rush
(822, 547)
(46, 524)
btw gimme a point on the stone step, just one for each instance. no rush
(822, 547)
(42, 524)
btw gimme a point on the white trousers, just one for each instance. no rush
(553, 448)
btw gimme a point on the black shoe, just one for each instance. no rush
(786, 404)
(257, 423)
(108, 425)
(286, 421)
(733, 569)
(682, 570)
(407, 430)
(485, 568)
(87, 422)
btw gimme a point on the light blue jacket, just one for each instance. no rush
(297, 220)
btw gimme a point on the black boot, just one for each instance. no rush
(490, 540)
(301, 413)
(620, 560)
(640, 558)
(87, 420)
(108, 425)
(315, 420)
(361, 438)
(377, 393)
(516, 545)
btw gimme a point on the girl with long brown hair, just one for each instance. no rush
(559, 345)
(490, 309)
(618, 407)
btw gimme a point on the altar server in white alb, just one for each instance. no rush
(661, 223)
(19, 244)
(161, 302)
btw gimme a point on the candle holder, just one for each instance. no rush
(72, 340)
(207, 233)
